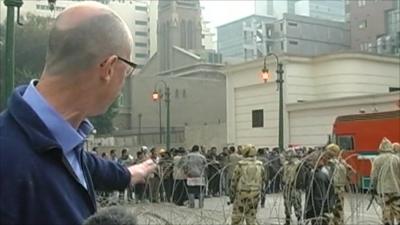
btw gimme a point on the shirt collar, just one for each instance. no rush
(67, 136)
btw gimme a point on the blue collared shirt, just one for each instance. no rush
(70, 139)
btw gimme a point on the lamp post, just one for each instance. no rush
(157, 97)
(279, 81)
(8, 79)
(140, 128)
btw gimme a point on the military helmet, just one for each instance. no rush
(248, 151)
(332, 150)
(291, 153)
(385, 145)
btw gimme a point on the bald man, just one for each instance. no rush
(46, 176)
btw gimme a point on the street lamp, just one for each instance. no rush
(8, 79)
(265, 76)
(157, 97)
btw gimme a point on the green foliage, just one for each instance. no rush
(103, 123)
(30, 52)
(30, 47)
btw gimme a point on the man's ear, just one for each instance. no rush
(107, 67)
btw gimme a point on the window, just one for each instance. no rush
(269, 32)
(292, 24)
(363, 24)
(141, 8)
(140, 44)
(269, 48)
(140, 55)
(257, 118)
(293, 42)
(176, 93)
(139, 22)
(282, 46)
(281, 24)
(140, 33)
(361, 3)
(184, 93)
(345, 142)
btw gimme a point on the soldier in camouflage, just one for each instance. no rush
(246, 187)
(385, 177)
(291, 195)
(341, 177)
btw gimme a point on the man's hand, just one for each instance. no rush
(140, 171)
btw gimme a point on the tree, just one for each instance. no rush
(103, 123)
(30, 47)
(30, 52)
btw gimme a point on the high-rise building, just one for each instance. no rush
(327, 9)
(274, 8)
(306, 36)
(207, 40)
(153, 17)
(238, 40)
(374, 25)
(254, 36)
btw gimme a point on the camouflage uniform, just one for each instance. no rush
(233, 159)
(385, 178)
(263, 159)
(291, 195)
(246, 187)
(341, 173)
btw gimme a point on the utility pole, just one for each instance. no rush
(8, 79)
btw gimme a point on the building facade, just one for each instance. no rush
(303, 35)
(378, 33)
(238, 41)
(328, 10)
(316, 90)
(275, 8)
(254, 36)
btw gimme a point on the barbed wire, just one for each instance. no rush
(216, 209)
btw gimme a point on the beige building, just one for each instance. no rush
(316, 91)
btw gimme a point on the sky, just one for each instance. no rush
(220, 12)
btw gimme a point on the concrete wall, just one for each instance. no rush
(325, 78)
(311, 123)
(193, 101)
(207, 135)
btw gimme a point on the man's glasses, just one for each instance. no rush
(132, 66)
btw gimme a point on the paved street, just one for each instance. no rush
(216, 211)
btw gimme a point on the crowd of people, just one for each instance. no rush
(246, 174)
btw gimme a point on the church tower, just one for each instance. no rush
(179, 24)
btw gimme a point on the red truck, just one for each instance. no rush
(360, 135)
